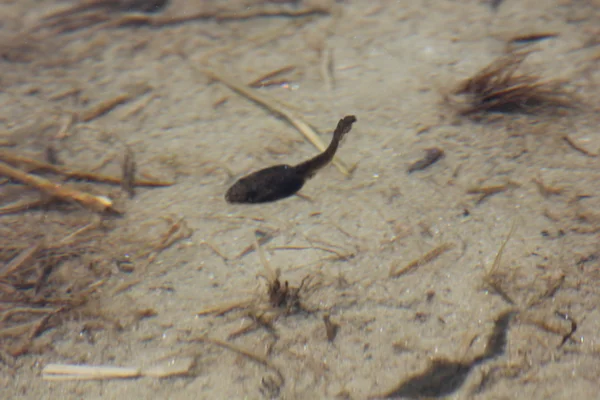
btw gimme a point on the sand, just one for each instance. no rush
(391, 63)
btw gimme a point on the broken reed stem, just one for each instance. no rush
(19, 260)
(277, 109)
(224, 308)
(85, 372)
(20, 206)
(14, 159)
(424, 259)
(62, 372)
(269, 76)
(94, 203)
(104, 107)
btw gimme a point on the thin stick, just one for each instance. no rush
(128, 169)
(498, 257)
(578, 147)
(246, 353)
(326, 68)
(62, 372)
(18, 330)
(270, 75)
(262, 238)
(251, 13)
(13, 159)
(424, 259)
(274, 107)
(25, 310)
(87, 372)
(104, 107)
(95, 203)
(224, 308)
(67, 240)
(19, 260)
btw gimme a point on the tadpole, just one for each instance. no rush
(281, 181)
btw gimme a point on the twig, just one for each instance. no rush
(68, 240)
(326, 68)
(246, 353)
(274, 107)
(424, 259)
(92, 13)
(62, 372)
(251, 13)
(224, 308)
(104, 107)
(432, 155)
(578, 147)
(95, 203)
(13, 159)
(263, 80)
(19, 206)
(18, 330)
(128, 169)
(486, 191)
(22, 310)
(19, 260)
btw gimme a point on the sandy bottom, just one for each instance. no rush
(390, 64)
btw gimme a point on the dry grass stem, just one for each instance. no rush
(225, 308)
(578, 147)
(106, 14)
(262, 360)
(267, 79)
(424, 259)
(36, 165)
(65, 372)
(104, 107)
(273, 106)
(62, 192)
(128, 170)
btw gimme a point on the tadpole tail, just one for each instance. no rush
(309, 168)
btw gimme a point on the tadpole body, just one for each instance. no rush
(281, 181)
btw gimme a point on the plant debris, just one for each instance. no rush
(69, 173)
(493, 279)
(59, 191)
(485, 191)
(275, 107)
(128, 169)
(432, 155)
(424, 259)
(331, 328)
(499, 88)
(52, 190)
(246, 353)
(281, 299)
(268, 79)
(532, 37)
(43, 277)
(61, 372)
(103, 14)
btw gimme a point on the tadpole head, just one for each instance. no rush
(266, 185)
(240, 192)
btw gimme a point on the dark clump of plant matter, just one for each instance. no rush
(501, 88)
(45, 277)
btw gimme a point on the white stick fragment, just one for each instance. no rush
(87, 372)
(63, 372)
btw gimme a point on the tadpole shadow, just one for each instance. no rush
(444, 377)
